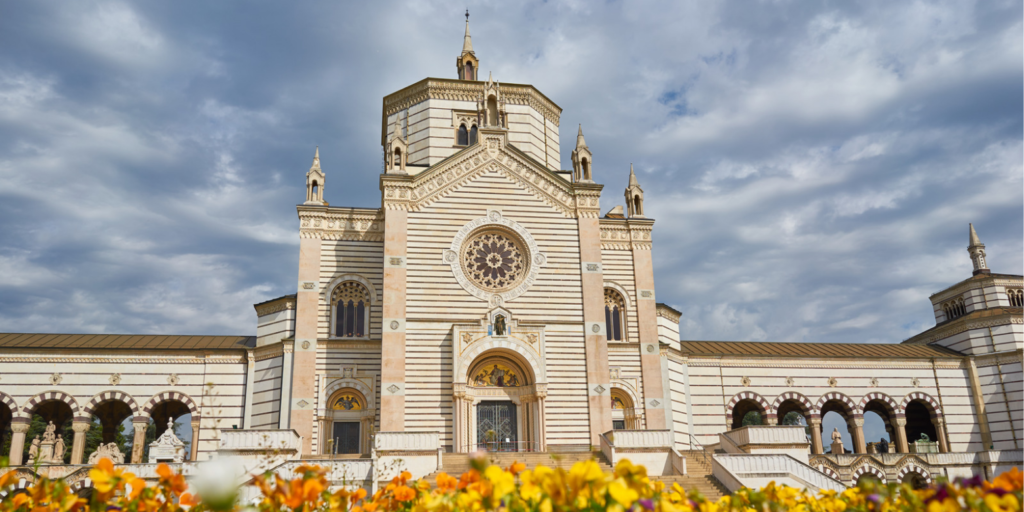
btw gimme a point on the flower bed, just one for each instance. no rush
(585, 487)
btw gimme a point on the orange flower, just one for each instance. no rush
(1012, 480)
(446, 483)
(404, 493)
(187, 500)
(516, 468)
(171, 480)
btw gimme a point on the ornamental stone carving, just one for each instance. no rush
(494, 258)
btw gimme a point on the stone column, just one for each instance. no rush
(139, 439)
(392, 377)
(901, 435)
(595, 332)
(542, 431)
(195, 439)
(325, 436)
(816, 447)
(18, 443)
(307, 314)
(940, 431)
(656, 398)
(859, 446)
(80, 426)
(250, 385)
(457, 423)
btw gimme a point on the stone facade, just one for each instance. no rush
(488, 303)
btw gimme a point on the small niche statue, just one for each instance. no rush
(837, 442)
(499, 325)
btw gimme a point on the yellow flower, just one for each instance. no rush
(503, 481)
(622, 494)
(1005, 503)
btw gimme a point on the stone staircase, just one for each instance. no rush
(455, 464)
(698, 477)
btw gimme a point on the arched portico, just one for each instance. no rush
(923, 415)
(168, 406)
(743, 403)
(845, 406)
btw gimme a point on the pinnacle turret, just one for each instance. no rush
(977, 251)
(467, 42)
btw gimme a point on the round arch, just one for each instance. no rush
(46, 396)
(830, 472)
(624, 413)
(749, 397)
(804, 404)
(913, 469)
(513, 348)
(177, 396)
(931, 403)
(622, 292)
(111, 396)
(887, 403)
(867, 469)
(495, 357)
(9, 403)
(337, 280)
(847, 404)
(354, 384)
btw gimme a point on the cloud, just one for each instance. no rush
(812, 167)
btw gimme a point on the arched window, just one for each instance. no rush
(316, 189)
(954, 309)
(472, 135)
(1016, 297)
(586, 169)
(614, 315)
(397, 162)
(637, 205)
(351, 310)
(463, 137)
(469, 71)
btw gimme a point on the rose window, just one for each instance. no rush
(494, 261)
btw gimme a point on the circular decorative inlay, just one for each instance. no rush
(596, 328)
(494, 260)
(305, 344)
(394, 325)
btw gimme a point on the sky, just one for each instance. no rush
(812, 166)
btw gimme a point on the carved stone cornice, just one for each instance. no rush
(464, 90)
(809, 362)
(626, 234)
(588, 200)
(268, 351)
(349, 345)
(329, 223)
(275, 306)
(975, 283)
(999, 359)
(967, 323)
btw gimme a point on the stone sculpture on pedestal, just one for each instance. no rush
(167, 448)
(837, 442)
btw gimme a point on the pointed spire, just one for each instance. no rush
(974, 236)
(467, 43)
(580, 143)
(632, 177)
(977, 252)
(316, 159)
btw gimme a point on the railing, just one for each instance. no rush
(407, 441)
(621, 439)
(772, 465)
(762, 434)
(703, 451)
(260, 440)
(507, 446)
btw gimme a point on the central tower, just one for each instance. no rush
(438, 117)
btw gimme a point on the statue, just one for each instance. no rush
(167, 447)
(33, 450)
(883, 446)
(499, 325)
(107, 451)
(58, 450)
(837, 442)
(50, 436)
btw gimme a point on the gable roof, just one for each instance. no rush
(828, 350)
(125, 341)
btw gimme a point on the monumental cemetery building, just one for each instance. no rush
(496, 301)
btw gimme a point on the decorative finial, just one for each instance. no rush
(580, 142)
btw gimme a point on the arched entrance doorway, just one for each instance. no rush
(501, 405)
(624, 415)
(347, 423)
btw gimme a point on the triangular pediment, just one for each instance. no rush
(491, 155)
